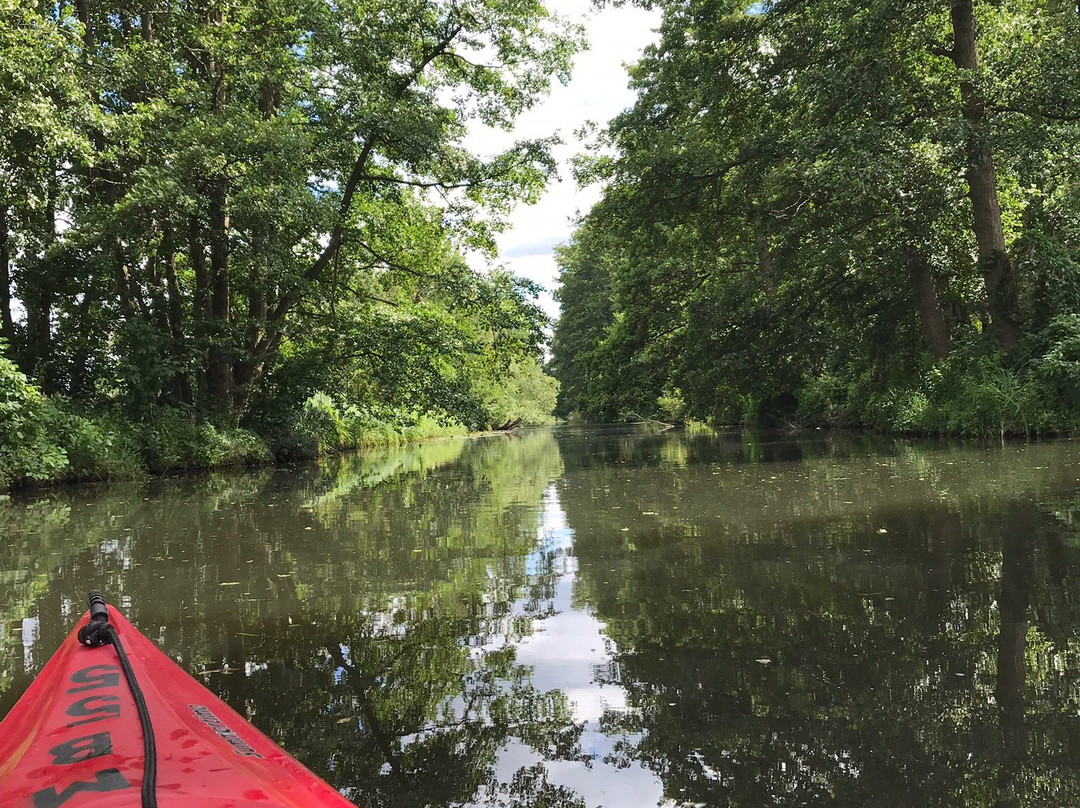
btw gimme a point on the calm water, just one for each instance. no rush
(617, 618)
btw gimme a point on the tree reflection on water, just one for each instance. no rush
(835, 635)
(787, 622)
(364, 615)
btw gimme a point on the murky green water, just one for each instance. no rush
(609, 618)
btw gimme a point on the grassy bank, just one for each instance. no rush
(972, 392)
(45, 441)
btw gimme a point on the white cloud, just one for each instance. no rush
(597, 92)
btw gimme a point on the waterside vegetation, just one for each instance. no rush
(52, 440)
(831, 212)
(233, 231)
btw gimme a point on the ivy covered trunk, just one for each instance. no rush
(981, 175)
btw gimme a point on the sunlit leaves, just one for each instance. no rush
(789, 200)
(230, 171)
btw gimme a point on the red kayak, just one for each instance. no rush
(75, 739)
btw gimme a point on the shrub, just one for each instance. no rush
(229, 446)
(321, 421)
(325, 428)
(898, 411)
(169, 439)
(1055, 368)
(424, 427)
(172, 441)
(98, 447)
(970, 393)
(671, 405)
(27, 450)
(825, 400)
(525, 395)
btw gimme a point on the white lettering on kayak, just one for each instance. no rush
(239, 745)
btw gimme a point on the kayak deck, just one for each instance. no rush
(74, 739)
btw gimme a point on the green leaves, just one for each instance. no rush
(223, 175)
(450, 341)
(790, 201)
(26, 451)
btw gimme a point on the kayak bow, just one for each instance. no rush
(75, 739)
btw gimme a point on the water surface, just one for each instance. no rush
(606, 617)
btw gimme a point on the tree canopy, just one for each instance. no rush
(835, 212)
(225, 207)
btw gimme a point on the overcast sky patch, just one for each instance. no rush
(544, 246)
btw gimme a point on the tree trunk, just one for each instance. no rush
(998, 274)
(219, 375)
(201, 313)
(38, 295)
(159, 307)
(38, 341)
(123, 281)
(82, 11)
(932, 321)
(766, 261)
(248, 369)
(219, 369)
(175, 310)
(7, 323)
(80, 361)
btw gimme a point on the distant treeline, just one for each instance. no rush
(837, 212)
(221, 210)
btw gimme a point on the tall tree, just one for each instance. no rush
(824, 195)
(981, 176)
(44, 111)
(245, 166)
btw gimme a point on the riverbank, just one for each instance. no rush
(46, 441)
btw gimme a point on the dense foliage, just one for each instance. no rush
(836, 212)
(225, 208)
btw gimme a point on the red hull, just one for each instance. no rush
(74, 739)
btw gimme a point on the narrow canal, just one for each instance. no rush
(606, 617)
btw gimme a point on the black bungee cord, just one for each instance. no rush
(100, 632)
